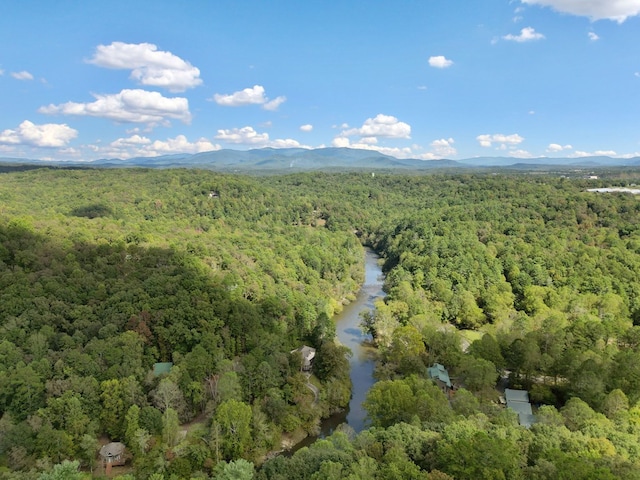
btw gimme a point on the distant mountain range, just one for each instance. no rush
(267, 160)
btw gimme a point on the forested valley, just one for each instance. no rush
(162, 309)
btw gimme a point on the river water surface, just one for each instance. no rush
(362, 362)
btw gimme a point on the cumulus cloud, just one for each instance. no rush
(306, 128)
(597, 153)
(341, 142)
(344, 142)
(148, 65)
(440, 148)
(132, 141)
(130, 106)
(500, 139)
(47, 135)
(180, 144)
(272, 105)
(593, 36)
(617, 10)
(380, 126)
(248, 136)
(556, 147)
(527, 34)
(23, 75)
(140, 146)
(244, 135)
(440, 61)
(249, 96)
(520, 154)
(443, 147)
(286, 143)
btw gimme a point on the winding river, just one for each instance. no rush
(362, 362)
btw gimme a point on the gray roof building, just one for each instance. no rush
(113, 453)
(308, 354)
(518, 401)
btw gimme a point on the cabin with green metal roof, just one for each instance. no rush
(439, 374)
(162, 368)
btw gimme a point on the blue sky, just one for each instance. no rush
(422, 79)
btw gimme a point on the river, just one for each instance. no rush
(362, 362)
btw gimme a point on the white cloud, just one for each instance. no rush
(597, 153)
(636, 74)
(23, 75)
(556, 147)
(148, 65)
(134, 140)
(443, 147)
(306, 128)
(249, 96)
(286, 143)
(139, 146)
(47, 135)
(1, 72)
(344, 142)
(369, 140)
(341, 142)
(272, 105)
(499, 138)
(133, 106)
(180, 144)
(244, 135)
(617, 10)
(381, 126)
(70, 151)
(440, 61)
(527, 34)
(593, 36)
(422, 87)
(248, 136)
(629, 155)
(520, 154)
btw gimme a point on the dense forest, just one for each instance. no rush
(526, 281)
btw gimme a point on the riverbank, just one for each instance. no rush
(363, 359)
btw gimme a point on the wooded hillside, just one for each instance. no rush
(104, 273)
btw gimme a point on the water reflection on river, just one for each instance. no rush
(362, 361)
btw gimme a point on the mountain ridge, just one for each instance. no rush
(328, 158)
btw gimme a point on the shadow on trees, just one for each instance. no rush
(92, 211)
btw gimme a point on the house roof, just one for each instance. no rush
(520, 407)
(112, 449)
(518, 401)
(438, 372)
(308, 353)
(526, 420)
(516, 395)
(161, 368)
